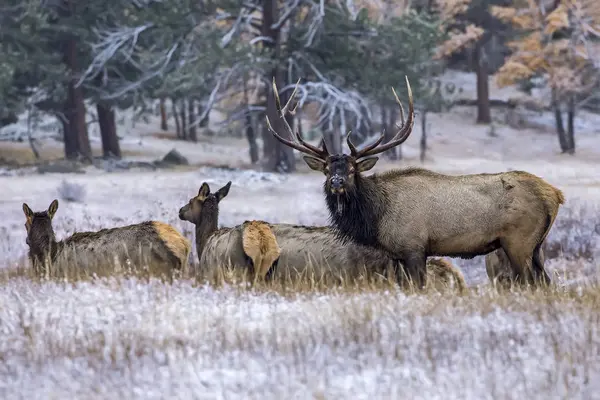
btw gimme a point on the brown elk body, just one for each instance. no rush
(153, 243)
(249, 244)
(415, 213)
(303, 251)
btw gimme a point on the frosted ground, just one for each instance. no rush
(149, 340)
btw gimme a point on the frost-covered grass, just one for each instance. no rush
(130, 339)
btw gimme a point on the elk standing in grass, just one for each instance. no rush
(415, 213)
(154, 243)
(310, 252)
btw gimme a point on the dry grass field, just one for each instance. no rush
(100, 335)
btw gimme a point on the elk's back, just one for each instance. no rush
(146, 243)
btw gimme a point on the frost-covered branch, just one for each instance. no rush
(112, 41)
(333, 102)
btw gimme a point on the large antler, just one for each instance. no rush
(301, 145)
(399, 138)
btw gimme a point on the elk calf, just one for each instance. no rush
(158, 244)
(294, 250)
(415, 213)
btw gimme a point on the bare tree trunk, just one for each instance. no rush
(280, 157)
(571, 126)
(108, 131)
(192, 118)
(69, 136)
(560, 128)
(163, 115)
(423, 143)
(176, 117)
(483, 91)
(204, 121)
(250, 133)
(184, 126)
(75, 110)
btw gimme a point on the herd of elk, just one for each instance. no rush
(391, 221)
(290, 251)
(415, 213)
(151, 243)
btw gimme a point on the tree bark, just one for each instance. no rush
(251, 135)
(279, 157)
(483, 91)
(560, 128)
(571, 126)
(423, 143)
(163, 115)
(184, 126)
(192, 120)
(75, 107)
(69, 136)
(176, 117)
(108, 131)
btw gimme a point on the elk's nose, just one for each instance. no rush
(337, 182)
(180, 214)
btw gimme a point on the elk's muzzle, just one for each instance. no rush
(337, 184)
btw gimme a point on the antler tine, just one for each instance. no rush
(302, 146)
(324, 146)
(376, 143)
(350, 145)
(404, 131)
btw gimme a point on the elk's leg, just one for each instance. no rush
(539, 272)
(521, 259)
(416, 270)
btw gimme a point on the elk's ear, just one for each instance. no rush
(315, 163)
(204, 190)
(52, 209)
(28, 212)
(366, 164)
(223, 191)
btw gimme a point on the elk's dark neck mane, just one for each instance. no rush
(362, 209)
(206, 226)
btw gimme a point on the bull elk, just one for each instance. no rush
(415, 213)
(155, 243)
(298, 251)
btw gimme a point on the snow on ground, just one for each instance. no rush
(151, 340)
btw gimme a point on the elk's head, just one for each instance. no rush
(39, 224)
(343, 170)
(202, 204)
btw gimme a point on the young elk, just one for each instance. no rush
(252, 242)
(415, 213)
(154, 242)
(295, 250)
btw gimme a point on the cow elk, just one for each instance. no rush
(250, 244)
(415, 213)
(309, 252)
(155, 244)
